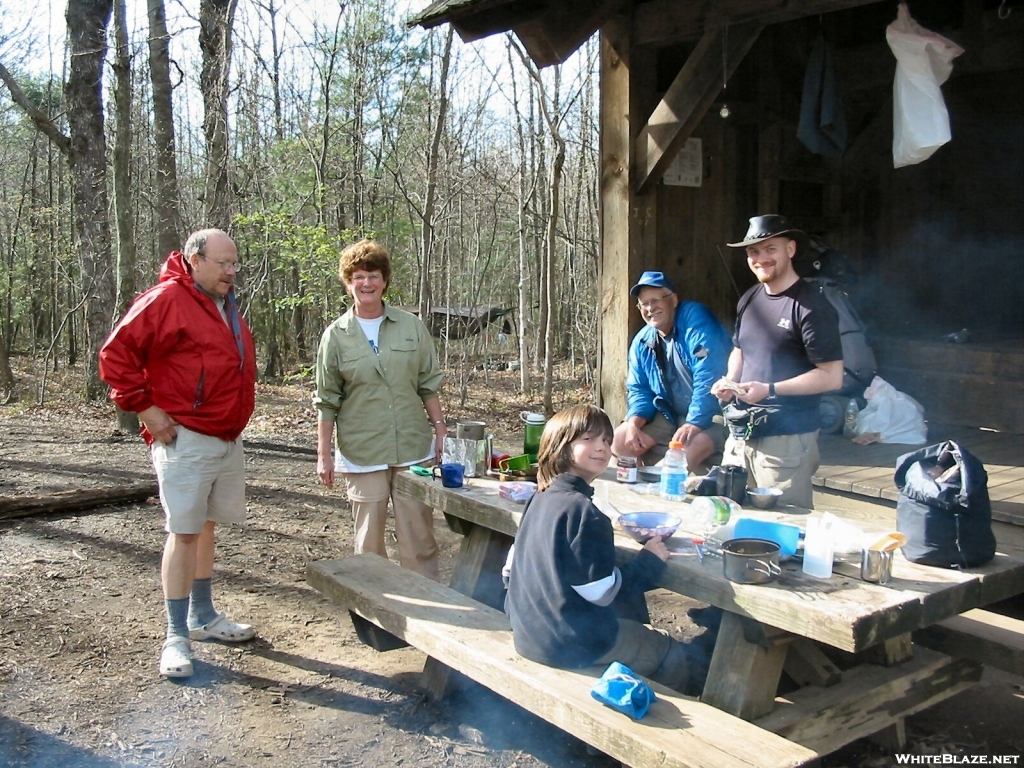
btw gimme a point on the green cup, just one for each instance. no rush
(519, 463)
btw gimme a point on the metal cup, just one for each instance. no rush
(469, 430)
(876, 566)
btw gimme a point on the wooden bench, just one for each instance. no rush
(475, 640)
(986, 637)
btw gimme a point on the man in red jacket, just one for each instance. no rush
(182, 358)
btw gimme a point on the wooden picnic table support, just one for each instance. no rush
(477, 575)
(745, 669)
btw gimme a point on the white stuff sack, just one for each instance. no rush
(894, 415)
(924, 61)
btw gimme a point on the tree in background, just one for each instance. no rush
(304, 130)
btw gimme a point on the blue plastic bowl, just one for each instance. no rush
(644, 526)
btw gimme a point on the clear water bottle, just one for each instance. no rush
(674, 473)
(850, 419)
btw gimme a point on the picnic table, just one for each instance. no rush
(797, 623)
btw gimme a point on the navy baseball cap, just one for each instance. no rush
(651, 280)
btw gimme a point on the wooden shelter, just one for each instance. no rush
(939, 246)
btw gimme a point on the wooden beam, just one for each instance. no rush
(869, 699)
(554, 36)
(688, 98)
(662, 22)
(616, 144)
(744, 676)
(986, 637)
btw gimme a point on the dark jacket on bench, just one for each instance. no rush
(564, 540)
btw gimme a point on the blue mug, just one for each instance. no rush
(451, 475)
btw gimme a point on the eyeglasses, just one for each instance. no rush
(653, 302)
(225, 266)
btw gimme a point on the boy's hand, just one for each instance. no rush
(657, 547)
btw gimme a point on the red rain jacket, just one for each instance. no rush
(174, 350)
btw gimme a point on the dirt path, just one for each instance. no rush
(81, 623)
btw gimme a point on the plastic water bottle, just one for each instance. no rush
(674, 473)
(850, 419)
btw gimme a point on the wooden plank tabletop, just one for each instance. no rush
(843, 611)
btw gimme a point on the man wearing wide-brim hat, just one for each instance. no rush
(786, 352)
(673, 361)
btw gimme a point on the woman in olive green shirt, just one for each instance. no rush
(377, 380)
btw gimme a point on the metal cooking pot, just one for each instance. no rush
(750, 561)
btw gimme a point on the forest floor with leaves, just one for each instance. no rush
(81, 618)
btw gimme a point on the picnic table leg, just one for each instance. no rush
(889, 653)
(745, 667)
(477, 575)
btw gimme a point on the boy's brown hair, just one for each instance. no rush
(554, 457)
(366, 255)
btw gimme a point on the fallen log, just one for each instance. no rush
(70, 501)
(259, 445)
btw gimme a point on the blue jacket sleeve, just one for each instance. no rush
(639, 394)
(707, 349)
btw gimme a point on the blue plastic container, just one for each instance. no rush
(786, 536)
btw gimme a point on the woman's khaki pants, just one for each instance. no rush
(368, 494)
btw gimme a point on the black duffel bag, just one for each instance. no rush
(943, 508)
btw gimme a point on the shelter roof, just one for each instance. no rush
(551, 30)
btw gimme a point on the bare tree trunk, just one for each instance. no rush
(524, 267)
(550, 243)
(215, 20)
(87, 29)
(126, 421)
(6, 374)
(123, 194)
(167, 206)
(272, 10)
(433, 158)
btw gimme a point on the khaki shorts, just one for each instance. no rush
(787, 462)
(662, 430)
(201, 478)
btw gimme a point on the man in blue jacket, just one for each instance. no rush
(672, 364)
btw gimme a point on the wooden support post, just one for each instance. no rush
(893, 651)
(744, 676)
(628, 219)
(808, 665)
(477, 575)
(894, 738)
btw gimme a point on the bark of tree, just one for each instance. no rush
(87, 29)
(122, 67)
(6, 374)
(524, 267)
(273, 10)
(215, 20)
(430, 199)
(167, 206)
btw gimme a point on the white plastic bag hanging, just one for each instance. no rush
(895, 416)
(924, 61)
